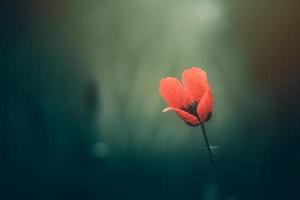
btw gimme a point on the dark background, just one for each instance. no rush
(80, 113)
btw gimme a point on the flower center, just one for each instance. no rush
(192, 109)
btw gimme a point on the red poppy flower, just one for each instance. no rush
(192, 100)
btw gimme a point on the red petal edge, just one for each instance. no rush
(195, 82)
(204, 108)
(173, 92)
(185, 116)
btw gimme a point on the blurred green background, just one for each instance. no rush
(81, 114)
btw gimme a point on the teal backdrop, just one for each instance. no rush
(81, 113)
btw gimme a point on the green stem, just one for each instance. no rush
(211, 158)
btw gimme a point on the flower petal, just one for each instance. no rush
(195, 82)
(204, 108)
(185, 116)
(172, 91)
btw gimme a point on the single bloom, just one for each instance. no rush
(192, 99)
